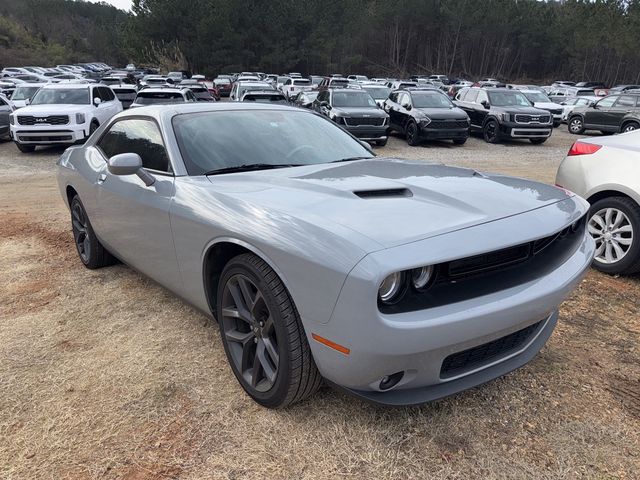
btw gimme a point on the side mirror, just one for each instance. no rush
(129, 164)
(406, 106)
(485, 104)
(27, 101)
(97, 101)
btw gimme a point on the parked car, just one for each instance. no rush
(5, 110)
(292, 86)
(500, 113)
(356, 111)
(563, 83)
(199, 90)
(426, 115)
(223, 85)
(162, 96)
(612, 114)
(7, 87)
(540, 100)
(591, 85)
(443, 79)
(126, 93)
(264, 96)
(570, 104)
(153, 81)
(305, 99)
(240, 88)
(622, 88)
(358, 78)
(23, 94)
(605, 171)
(379, 92)
(560, 94)
(333, 82)
(63, 114)
(400, 84)
(400, 281)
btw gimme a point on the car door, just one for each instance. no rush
(391, 107)
(480, 112)
(596, 117)
(403, 113)
(5, 110)
(132, 219)
(624, 105)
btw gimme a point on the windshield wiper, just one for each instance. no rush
(350, 159)
(251, 167)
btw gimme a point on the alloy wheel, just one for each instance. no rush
(412, 132)
(613, 233)
(575, 125)
(490, 132)
(630, 127)
(80, 225)
(248, 328)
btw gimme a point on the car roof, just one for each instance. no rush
(27, 84)
(67, 86)
(161, 90)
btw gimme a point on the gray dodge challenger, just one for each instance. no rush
(399, 281)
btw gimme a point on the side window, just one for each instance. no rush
(136, 136)
(626, 101)
(471, 96)
(393, 97)
(404, 99)
(482, 96)
(107, 94)
(96, 94)
(2, 103)
(288, 82)
(607, 101)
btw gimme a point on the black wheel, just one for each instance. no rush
(262, 334)
(575, 125)
(25, 148)
(460, 141)
(491, 132)
(538, 141)
(381, 143)
(629, 127)
(91, 252)
(413, 137)
(614, 223)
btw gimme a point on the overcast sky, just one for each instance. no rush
(123, 4)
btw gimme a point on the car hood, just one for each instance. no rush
(444, 113)
(523, 110)
(359, 111)
(392, 202)
(57, 109)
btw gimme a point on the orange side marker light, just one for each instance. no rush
(330, 344)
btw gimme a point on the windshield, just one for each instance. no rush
(379, 93)
(22, 93)
(353, 99)
(222, 81)
(508, 99)
(251, 88)
(71, 96)
(339, 83)
(537, 97)
(431, 100)
(210, 140)
(148, 98)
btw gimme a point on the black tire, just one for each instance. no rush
(91, 252)
(381, 143)
(271, 324)
(491, 132)
(630, 262)
(538, 141)
(460, 141)
(412, 134)
(575, 125)
(25, 148)
(629, 127)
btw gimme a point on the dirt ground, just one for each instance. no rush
(105, 375)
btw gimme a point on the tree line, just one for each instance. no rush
(514, 40)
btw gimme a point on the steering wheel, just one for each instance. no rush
(298, 149)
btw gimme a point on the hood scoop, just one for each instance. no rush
(384, 193)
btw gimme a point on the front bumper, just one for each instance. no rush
(524, 130)
(427, 133)
(367, 132)
(53, 135)
(419, 342)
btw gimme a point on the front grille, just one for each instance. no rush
(43, 120)
(520, 118)
(370, 121)
(476, 357)
(448, 124)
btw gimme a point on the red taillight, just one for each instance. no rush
(583, 148)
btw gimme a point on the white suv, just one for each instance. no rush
(62, 114)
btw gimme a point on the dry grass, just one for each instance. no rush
(105, 375)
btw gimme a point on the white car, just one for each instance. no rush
(540, 100)
(12, 71)
(23, 94)
(570, 103)
(606, 171)
(293, 86)
(240, 88)
(62, 114)
(163, 96)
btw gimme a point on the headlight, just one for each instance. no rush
(12, 119)
(425, 120)
(506, 117)
(391, 287)
(79, 118)
(420, 277)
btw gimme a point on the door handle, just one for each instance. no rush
(102, 177)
